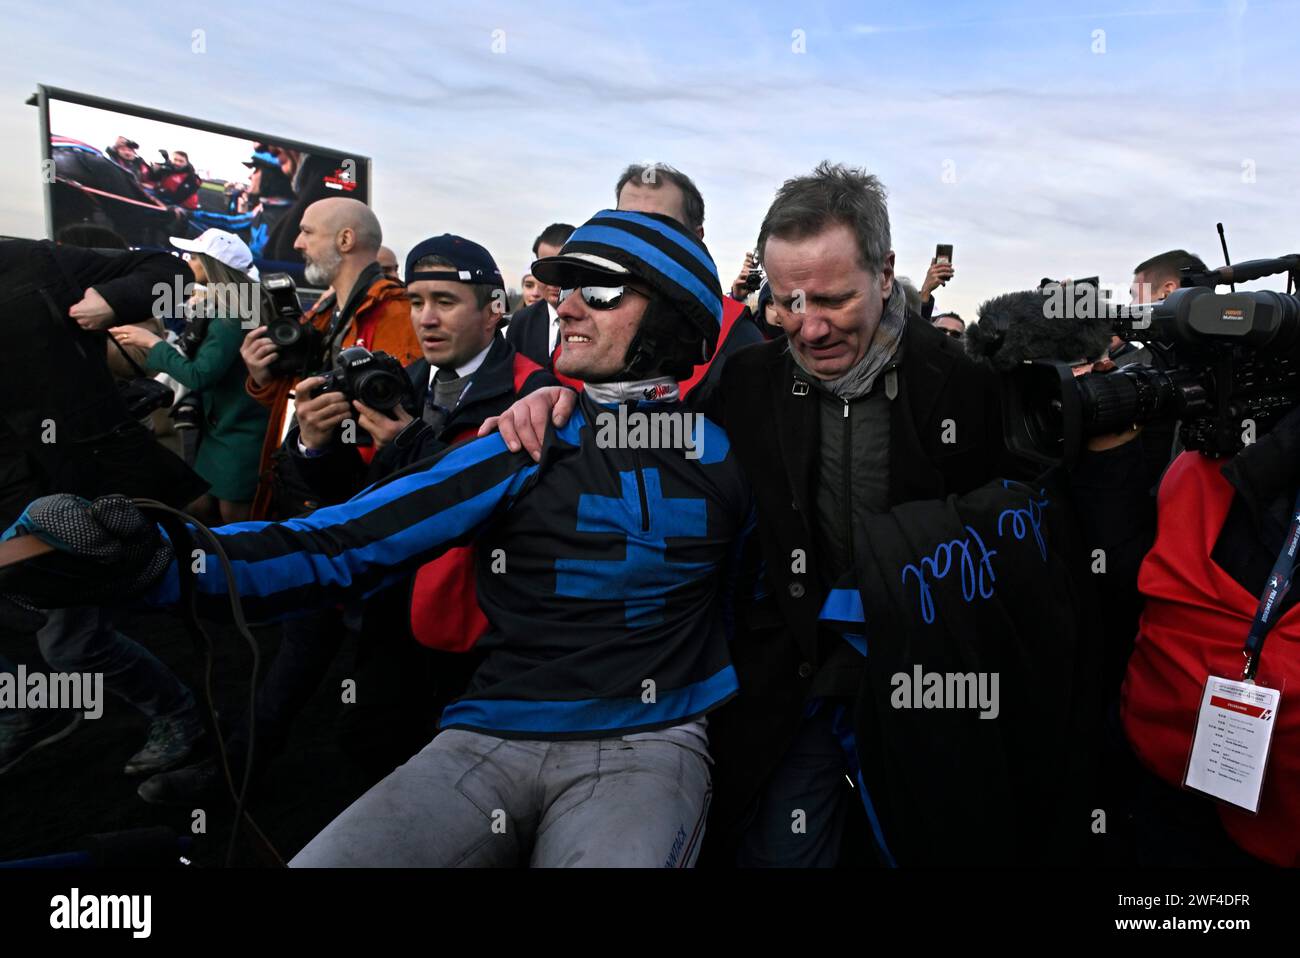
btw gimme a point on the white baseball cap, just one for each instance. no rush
(221, 246)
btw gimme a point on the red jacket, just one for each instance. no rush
(1194, 624)
(381, 321)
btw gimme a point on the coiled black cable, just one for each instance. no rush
(181, 522)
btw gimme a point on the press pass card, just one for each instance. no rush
(1234, 729)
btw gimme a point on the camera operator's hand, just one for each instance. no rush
(134, 336)
(523, 425)
(318, 416)
(381, 428)
(936, 276)
(93, 311)
(740, 288)
(258, 354)
(107, 551)
(1112, 440)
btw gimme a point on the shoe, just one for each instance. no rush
(184, 786)
(20, 737)
(171, 742)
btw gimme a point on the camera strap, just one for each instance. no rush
(1279, 583)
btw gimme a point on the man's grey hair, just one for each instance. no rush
(832, 193)
(653, 175)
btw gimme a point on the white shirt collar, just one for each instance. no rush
(465, 370)
(553, 330)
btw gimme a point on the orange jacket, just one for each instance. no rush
(386, 311)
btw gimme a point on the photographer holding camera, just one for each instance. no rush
(339, 238)
(467, 373)
(232, 424)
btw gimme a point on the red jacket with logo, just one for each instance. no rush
(1194, 624)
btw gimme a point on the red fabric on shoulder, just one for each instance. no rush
(731, 311)
(1194, 622)
(522, 369)
(444, 603)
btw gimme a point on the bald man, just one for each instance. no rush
(339, 239)
(388, 263)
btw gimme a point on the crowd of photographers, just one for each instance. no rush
(867, 430)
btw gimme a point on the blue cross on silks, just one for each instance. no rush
(645, 574)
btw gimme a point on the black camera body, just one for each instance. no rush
(1229, 369)
(375, 379)
(143, 396)
(756, 277)
(197, 320)
(298, 342)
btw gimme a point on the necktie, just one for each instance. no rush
(441, 397)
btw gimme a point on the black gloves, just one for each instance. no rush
(107, 551)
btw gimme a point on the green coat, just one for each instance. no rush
(234, 423)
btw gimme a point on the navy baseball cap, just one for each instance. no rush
(472, 263)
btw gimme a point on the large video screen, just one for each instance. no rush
(149, 176)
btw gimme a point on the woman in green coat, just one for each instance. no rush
(234, 424)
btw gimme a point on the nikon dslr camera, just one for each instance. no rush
(298, 343)
(375, 379)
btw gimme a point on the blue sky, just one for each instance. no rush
(1015, 131)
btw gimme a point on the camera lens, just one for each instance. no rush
(380, 390)
(284, 333)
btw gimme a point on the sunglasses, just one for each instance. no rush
(951, 332)
(601, 298)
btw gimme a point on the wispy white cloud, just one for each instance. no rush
(1065, 163)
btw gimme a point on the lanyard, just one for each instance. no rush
(1279, 583)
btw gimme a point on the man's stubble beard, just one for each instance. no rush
(321, 272)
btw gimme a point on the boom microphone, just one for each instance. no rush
(1017, 327)
(1241, 272)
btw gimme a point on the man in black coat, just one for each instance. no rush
(65, 428)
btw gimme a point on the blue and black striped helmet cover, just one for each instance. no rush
(658, 251)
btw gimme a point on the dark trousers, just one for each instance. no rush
(308, 645)
(798, 821)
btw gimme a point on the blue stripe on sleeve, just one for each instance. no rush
(284, 572)
(267, 577)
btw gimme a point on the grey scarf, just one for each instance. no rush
(857, 382)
